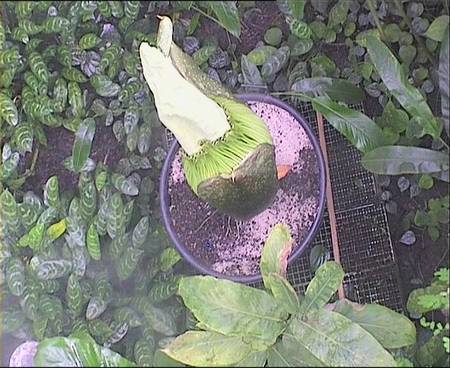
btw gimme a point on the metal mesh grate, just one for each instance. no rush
(364, 239)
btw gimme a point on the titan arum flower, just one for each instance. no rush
(228, 157)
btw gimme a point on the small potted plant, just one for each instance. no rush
(239, 166)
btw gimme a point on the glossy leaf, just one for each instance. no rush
(227, 14)
(250, 72)
(359, 129)
(275, 62)
(56, 230)
(125, 185)
(283, 291)
(337, 89)
(95, 307)
(398, 160)
(83, 142)
(51, 192)
(393, 330)
(276, 251)
(208, 349)
(127, 263)
(78, 350)
(233, 309)
(15, 276)
(8, 110)
(168, 258)
(74, 298)
(322, 287)
(140, 232)
(93, 243)
(395, 79)
(330, 339)
(49, 270)
(436, 31)
(444, 80)
(259, 55)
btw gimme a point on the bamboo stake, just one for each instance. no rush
(330, 201)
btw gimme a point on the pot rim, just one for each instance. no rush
(299, 248)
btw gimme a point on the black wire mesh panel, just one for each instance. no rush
(364, 239)
(365, 245)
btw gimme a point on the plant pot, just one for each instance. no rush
(316, 181)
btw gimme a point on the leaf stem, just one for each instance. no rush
(444, 143)
(206, 15)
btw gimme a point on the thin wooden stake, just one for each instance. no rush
(330, 201)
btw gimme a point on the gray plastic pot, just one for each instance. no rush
(299, 248)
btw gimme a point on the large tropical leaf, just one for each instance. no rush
(208, 349)
(275, 253)
(255, 359)
(283, 291)
(233, 309)
(329, 339)
(278, 356)
(393, 330)
(358, 128)
(227, 14)
(444, 80)
(337, 89)
(396, 81)
(398, 160)
(322, 287)
(83, 142)
(78, 350)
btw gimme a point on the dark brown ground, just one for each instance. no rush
(200, 227)
(60, 142)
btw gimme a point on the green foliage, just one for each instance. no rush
(431, 218)
(240, 326)
(435, 297)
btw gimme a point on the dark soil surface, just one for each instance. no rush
(232, 247)
(418, 262)
(59, 146)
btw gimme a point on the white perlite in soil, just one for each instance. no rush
(239, 253)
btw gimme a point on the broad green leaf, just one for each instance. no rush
(15, 276)
(208, 349)
(227, 14)
(93, 243)
(338, 13)
(396, 81)
(337, 89)
(278, 356)
(256, 359)
(83, 142)
(393, 330)
(168, 258)
(436, 30)
(250, 72)
(332, 340)
(283, 291)
(276, 251)
(297, 8)
(432, 353)
(51, 192)
(161, 359)
(397, 160)
(322, 287)
(56, 230)
(53, 269)
(444, 80)
(79, 350)
(233, 309)
(359, 129)
(8, 110)
(415, 305)
(259, 55)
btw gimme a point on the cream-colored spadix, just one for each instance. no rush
(190, 115)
